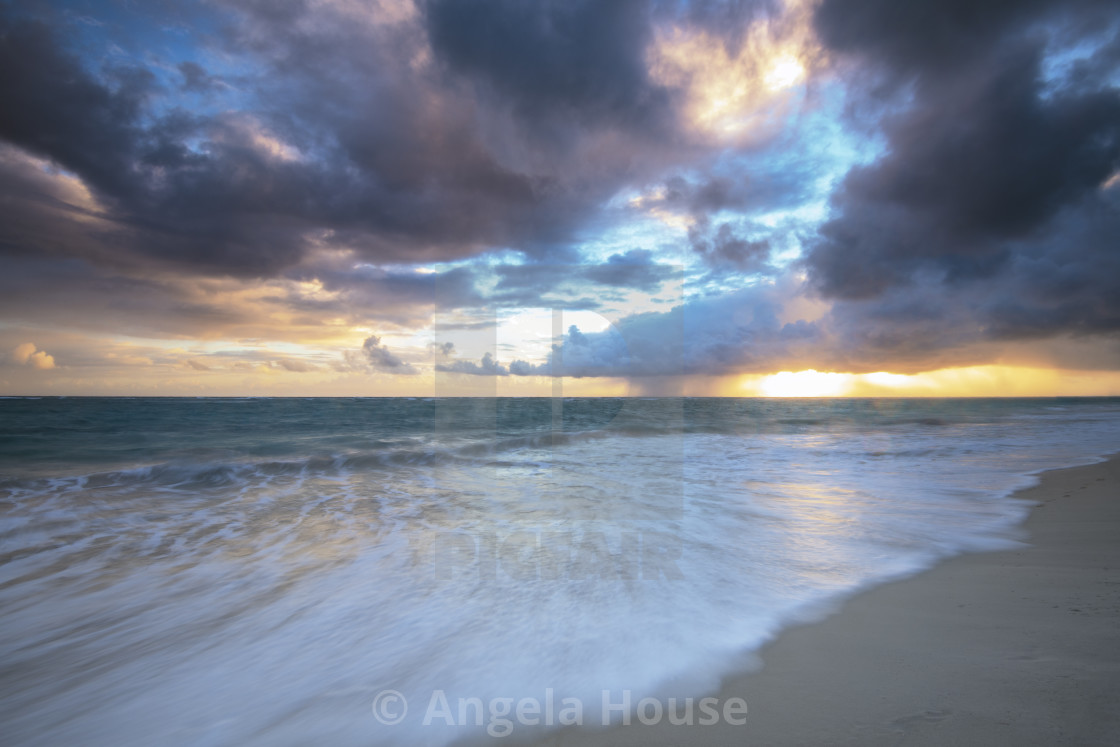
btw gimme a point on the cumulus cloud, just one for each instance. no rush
(488, 366)
(22, 352)
(985, 219)
(707, 336)
(25, 354)
(723, 247)
(375, 356)
(718, 335)
(485, 367)
(442, 349)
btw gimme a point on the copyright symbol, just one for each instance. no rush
(389, 707)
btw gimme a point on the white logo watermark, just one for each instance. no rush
(501, 716)
(390, 707)
(529, 555)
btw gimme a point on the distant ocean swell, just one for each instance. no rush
(257, 571)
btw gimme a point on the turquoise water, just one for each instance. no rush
(255, 571)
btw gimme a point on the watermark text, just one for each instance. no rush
(501, 716)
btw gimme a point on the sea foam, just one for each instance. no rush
(257, 572)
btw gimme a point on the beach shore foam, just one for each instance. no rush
(1013, 647)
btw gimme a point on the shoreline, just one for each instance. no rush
(1017, 646)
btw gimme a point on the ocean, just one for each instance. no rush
(262, 571)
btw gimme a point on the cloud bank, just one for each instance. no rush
(848, 185)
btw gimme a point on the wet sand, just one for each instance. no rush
(1018, 647)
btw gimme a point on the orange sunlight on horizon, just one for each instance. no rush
(971, 381)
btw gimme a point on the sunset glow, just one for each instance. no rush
(808, 383)
(801, 199)
(974, 381)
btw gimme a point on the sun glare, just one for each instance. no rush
(887, 380)
(741, 91)
(783, 73)
(971, 381)
(808, 383)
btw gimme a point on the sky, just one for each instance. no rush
(497, 197)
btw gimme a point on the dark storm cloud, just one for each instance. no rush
(718, 192)
(195, 77)
(1066, 281)
(305, 155)
(940, 35)
(720, 17)
(1057, 305)
(398, 296)
(569, 58)
(1060, 290)
(999, 161)
(721, 201)
(988, 205)
(73, 294)
(635, 269)
(724, 248)
(52, 107)
(525, 284)
(223, 207)
(752, 184)
(335, 134)
(1063, 285)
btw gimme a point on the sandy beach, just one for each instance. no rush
(1016, 647)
